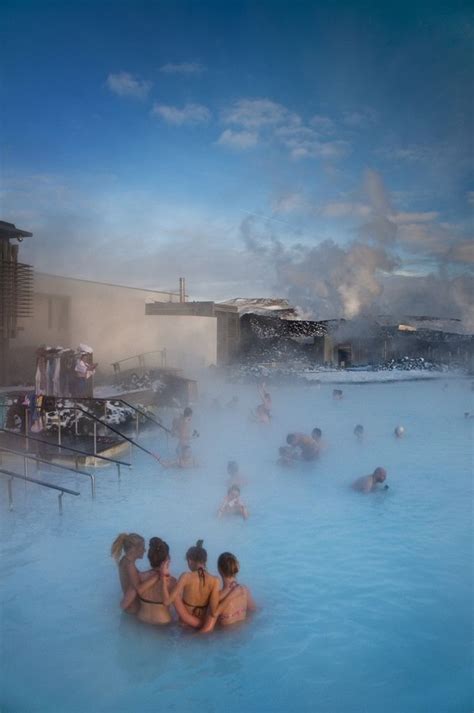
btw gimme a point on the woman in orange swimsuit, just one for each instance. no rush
(235, 599)
(196, 592)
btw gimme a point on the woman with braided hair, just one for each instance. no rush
(149, 592)
(196, 592)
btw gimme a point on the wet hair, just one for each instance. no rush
(228, 564)
(125, 542)
(290, 439)
(232, 467)
(380, 474)
(359, 429)
(187, 411)
(158, 552)
(316, 433)
(233, 489)
(197, 553)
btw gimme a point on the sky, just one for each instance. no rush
(320, 151)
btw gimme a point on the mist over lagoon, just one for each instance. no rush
(236, 306)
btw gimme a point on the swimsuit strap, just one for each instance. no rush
(148, 601)
(202, 574)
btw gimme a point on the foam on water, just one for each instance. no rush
(365, 600)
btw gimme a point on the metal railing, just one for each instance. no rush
(114, 430)
(11, 476)
(118, 463)
(95, 419)
(27, 456)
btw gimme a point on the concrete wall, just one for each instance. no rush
(111, 319)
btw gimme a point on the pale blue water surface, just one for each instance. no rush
(365, 601)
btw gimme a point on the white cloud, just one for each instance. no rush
(189, 114)
(345, 209)
(359, 119)
(255, 113)
(323, 124)
(126, 85)
(182, 68)
(320, 149)
(426, 217)
(238, 140)
(289, 203)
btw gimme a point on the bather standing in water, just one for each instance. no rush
(317, 436)
(359, 432)
(133, 547)
(184, 459)
(369, 483)
(235, 476)
(307, 445)
(232, 505)
(196, 592)
(263, 412)
(287, 456)
(181, 428)
(149, 593)
(235, 599)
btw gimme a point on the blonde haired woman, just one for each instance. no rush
(132, 547)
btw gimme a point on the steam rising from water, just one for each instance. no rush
(328, 280)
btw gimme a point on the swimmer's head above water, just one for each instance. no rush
(359, 431)
(399, 431)
(158, 552)
(228, 564)
(196, 556)
(232, 467)
(316, 434)
(129, 543)
(379, 474)
(291, 439)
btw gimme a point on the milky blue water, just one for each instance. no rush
(365, 600)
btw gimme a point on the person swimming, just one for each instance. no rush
(399, 432)
(337, 394)
(236, 600)
(308, 448)
(368, 483)
(133, 547)
(232, 505)
(287, 456)
(235, 477)
(359, 432)
(263, 412)
(317, 436)
(149, 593)
(196, 591)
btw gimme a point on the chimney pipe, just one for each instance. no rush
(182, 290)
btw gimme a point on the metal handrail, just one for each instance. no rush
(142, 413)
(130, 440)
(54, 465)
(118, 463)
(12, 475)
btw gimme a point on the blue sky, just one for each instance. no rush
(230, 141)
